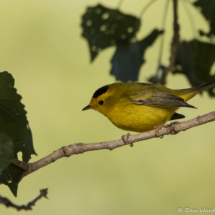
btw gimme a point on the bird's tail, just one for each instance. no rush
(204, 86)
(187, 94)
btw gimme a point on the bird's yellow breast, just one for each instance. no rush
(139, 118)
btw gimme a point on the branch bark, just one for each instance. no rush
(79, 148)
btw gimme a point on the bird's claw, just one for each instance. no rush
(171, 129)
(157, 129)
(125, 139)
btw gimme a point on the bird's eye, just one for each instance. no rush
(101, 102)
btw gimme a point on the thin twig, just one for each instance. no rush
(192, 21)
(146, 7)
(79, 148)
(157, 78)
(8, 203)
(162, 36)
(175, 42)
(19, 163)
(119, 4)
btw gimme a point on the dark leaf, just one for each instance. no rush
(195, 59)
(13, 116)
(6, 151)
(129, 57)
(103, 27)
(207, 8)
(15, 125)
(11, 177)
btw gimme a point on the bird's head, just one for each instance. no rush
(102, 100)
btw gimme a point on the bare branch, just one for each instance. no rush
(19, 163)
(8, 203)
(79, 148)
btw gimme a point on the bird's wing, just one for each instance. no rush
(159, 98)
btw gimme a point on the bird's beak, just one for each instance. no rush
(87, 107)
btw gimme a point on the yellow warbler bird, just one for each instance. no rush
(139, 107)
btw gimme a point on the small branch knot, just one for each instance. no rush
(110, 148)
(80, 148)
(65, 152)
(199, 119)
(44, 192)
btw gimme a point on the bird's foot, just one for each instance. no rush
(157, 129)
(125, 139)
(170, 127)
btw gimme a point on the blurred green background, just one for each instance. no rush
(41, 45)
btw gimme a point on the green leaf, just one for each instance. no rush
(129, 57)
(195, 59)
(104, 27)
(14, 124)
(6, 151)
(207, 9)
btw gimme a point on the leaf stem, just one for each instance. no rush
(119, 4)
(174, 44)
(189, 14)
(146, 7)
(162, 36)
